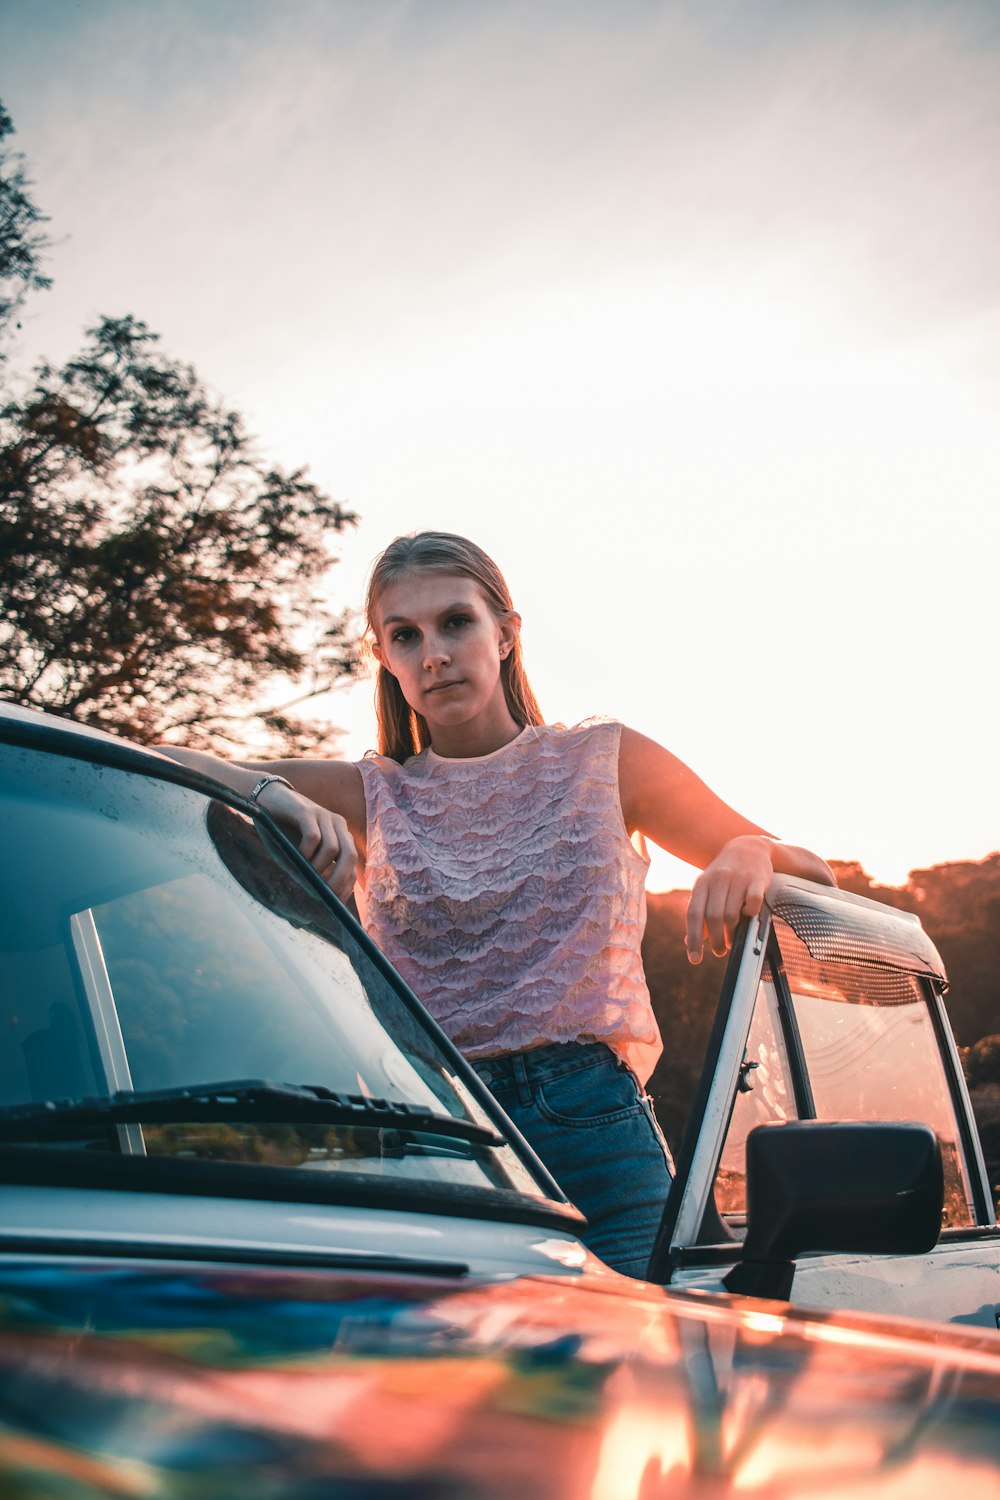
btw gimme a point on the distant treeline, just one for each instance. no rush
(959, 907)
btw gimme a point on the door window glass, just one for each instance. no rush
(871, 1052)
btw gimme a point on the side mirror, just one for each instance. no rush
(869, 1188)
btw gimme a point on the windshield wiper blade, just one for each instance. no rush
(250, 1099)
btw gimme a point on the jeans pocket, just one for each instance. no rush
(602, 1094)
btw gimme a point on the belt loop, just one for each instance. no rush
(524, 1090)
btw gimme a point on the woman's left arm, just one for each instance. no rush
(668, 803)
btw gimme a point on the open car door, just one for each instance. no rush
(832, 1013)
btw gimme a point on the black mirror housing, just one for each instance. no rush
(863, 1187)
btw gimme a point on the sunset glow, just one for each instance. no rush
(689, 315)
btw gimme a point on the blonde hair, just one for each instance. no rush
(401, 731)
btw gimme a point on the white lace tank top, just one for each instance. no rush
(507, 892)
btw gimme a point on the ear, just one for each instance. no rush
(379, 655)
(510, 629)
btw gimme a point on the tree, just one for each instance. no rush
(23, 242)
(684, 999)
(157, 578)
(982, 1061)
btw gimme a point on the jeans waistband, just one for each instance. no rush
(553, 1060)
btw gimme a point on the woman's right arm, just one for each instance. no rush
(323, 810)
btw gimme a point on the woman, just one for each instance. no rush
(495, 867)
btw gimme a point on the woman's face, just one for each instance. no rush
(440, 639)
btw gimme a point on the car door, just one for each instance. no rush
(833, 1010)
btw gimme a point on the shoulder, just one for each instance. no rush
(374, 768)
(587, 733)
(585, 755)
(587, 749)
(649, 777)
(635, 746)
(387, 782)
(641, 757)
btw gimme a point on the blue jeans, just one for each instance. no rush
(582, 1109)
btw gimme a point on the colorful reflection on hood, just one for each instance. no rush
(183, 1383)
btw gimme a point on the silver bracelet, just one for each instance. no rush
(266, 781)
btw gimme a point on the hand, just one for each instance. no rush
(323, 837)
(731, 887)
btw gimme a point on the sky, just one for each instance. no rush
(688, 313)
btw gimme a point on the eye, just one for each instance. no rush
(403, 635)
(455, 622)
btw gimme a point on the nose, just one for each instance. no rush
(435, 653)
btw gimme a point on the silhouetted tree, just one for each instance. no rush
(157, 578)
(23, 241)
(982, 1061)
(684, 999)
(155, 575)
(959, 906)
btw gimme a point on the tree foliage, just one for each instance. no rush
(959, 906)
(982, 1061)
(154, 573)
(23, 241)
(157, 577)
(684, 997)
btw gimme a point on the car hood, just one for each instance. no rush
(161, 1381)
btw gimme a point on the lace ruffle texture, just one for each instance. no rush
(508, 894)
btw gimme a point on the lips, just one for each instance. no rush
(439, 687)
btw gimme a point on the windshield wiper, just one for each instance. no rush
(249, 1099)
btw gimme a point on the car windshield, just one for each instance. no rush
(151, 940)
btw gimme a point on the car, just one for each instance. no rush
(265, 1233)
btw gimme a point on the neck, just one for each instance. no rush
(465, 741)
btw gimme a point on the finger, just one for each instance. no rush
(319, 842)
(341, 876)
(743, 902)
(754, 898)
(717, 912)
(694, 930)
(311, 827)
(734, 909)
